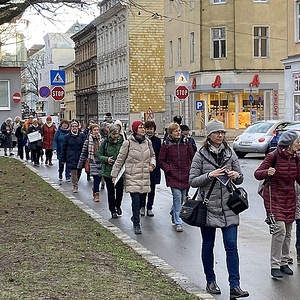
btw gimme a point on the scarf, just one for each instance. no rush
(139, 139)
(93, 145)
(216, 152)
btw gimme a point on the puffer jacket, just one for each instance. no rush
(282, 184)
(297, 188)
(109, 149)
(95, 165)
(219, 215)
(137, 158)
(175, 160)
(71, 149)
(58, 140)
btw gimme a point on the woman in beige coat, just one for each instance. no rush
(138, 156)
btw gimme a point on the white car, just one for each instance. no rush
(256, 138)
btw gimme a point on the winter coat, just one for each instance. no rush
(219, 215)
(58, 140)
(283, 195)
(175, 159)
(7, 131)
(297, 188)
(48, 135)
(155, 176)
(95, 165)
(37, 144)
(137, 158)
(109, 149)
(71, 149)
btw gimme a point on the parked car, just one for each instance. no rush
(256, 138)
(278, 132)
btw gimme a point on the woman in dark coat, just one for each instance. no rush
(35, 146)
(175, 159)
(70, 152)
(7, 130)
(155, 175)
(280, 205)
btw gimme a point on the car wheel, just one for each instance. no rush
(241, 154)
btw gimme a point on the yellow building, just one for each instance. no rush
(232, 51)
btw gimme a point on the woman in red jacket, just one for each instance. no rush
(48, 131)
(281, 167)
(175, 160)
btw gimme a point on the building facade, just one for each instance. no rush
(85, 70)
(130, 52)
(292, 63)
(233, 55)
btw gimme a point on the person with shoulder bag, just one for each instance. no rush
(216, 163)
(138, 158)
(280, 198)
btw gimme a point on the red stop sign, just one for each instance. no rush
(182, 92)
(58, 93)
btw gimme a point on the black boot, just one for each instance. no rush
(238, 293)
(213, 288)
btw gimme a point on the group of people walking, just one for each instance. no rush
(134, 164)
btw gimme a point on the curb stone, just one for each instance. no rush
(184, 282)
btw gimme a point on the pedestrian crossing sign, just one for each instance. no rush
(57, 77)
(182, 78)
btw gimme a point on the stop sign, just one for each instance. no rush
(182, 92)
(58, 93)
(16, 97)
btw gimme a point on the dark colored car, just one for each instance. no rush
(280, 131)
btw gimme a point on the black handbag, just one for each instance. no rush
(194, 212)
(238, 200)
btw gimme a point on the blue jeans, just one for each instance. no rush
(96, 183)
(61, 167)
(232, 257)
(136, 200)
(298, 236)
(178, 196)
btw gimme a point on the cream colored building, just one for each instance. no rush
(232, 51)
(68, 105)
(292, 63)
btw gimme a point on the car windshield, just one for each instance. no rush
(259, 127)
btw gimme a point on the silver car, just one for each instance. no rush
(256, 138)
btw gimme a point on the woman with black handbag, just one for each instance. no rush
(217, 162)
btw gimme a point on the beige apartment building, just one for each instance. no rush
(292, 62)
(232, 51)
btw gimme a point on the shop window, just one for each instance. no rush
(296, 107)
(261, 41)
(218, 36)
(4, 95)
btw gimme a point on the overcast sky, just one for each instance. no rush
(39, 26)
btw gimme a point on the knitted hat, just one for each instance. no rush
(135, 125)
(213, 126)
(48, 119)
(288, 138)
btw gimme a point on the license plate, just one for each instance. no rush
(246, 143)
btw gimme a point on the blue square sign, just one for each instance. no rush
(57, 77)
(199, 105)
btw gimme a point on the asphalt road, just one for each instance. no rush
(182, 250)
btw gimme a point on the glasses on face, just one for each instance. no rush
(219, 132)
(74, 125)
(141, 127)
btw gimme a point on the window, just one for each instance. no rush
(261, 41)
(260, 0)
(192, 4)
(297, 21)
(170, 54)
(179, 52)
(4, 95)
(192, 47)
(218, 1)
(218, 42)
